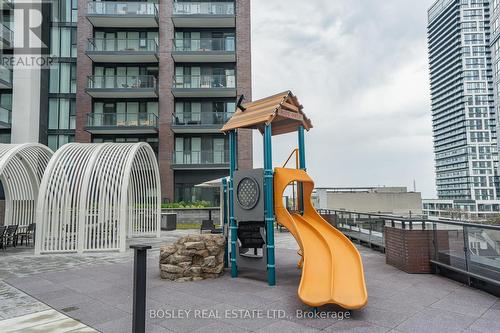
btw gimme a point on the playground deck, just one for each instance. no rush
(97, 290)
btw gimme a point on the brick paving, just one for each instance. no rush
(97, 290)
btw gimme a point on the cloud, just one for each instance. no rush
(360, 69)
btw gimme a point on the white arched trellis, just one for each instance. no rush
(94, 196)
(21, 171)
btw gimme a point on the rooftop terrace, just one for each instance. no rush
(96, 291)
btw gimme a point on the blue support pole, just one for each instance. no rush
(269, 204)
(302, 165)
(224, 222)
(232, 221)
(302, 149)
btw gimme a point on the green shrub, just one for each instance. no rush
(184, 204)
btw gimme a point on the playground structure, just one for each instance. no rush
(332, 271)
(93, 196)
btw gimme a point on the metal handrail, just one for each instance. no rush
(205, 81)
(122, 8)
(203, 8)
(204, 44)
(415, 219)
(122, 119)
(296, 152)
(201, 157)
(200, 118)
(122, 44)
(121, 81)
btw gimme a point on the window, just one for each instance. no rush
(55, 141)
(62, 113)
(62, 78)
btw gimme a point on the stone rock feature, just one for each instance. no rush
(193, 258)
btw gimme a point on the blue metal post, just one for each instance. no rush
(302, 165)
(224, 222)
(232, 223)
(269, 205)
(302, 149)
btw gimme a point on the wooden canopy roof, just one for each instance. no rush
(282, 110)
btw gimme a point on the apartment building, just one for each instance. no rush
(463, 103)
(167, 73)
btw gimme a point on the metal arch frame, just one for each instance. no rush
(94, 196)
(21, 170)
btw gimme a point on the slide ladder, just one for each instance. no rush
(332, 271)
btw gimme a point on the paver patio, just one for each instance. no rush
(96, 289)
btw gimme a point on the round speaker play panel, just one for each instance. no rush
(247, 193)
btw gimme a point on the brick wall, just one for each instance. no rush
(412, 250)
(83, 69)
(166, 100)
(244, 78)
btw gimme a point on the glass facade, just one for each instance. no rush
(62, 74)
(462, 92)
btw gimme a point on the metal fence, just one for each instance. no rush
(467, 248)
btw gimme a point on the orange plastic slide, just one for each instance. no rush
(332, 271)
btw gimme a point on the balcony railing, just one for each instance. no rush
(204, 157)
(200, 118)
(121, 82)
(122, 45)
(204, 81)
(122, 120)
(5, 75)
(203, 8)
(5, 115)
(122, 8)
(204, 44)
(6, 4)
(6, 34)
(471, 249)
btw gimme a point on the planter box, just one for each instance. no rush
(168, 221)
(194, 215)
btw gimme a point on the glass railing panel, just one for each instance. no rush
(484, 251)
(204, 8)
(204, 44)
(201, 157)
(122, 119)
(5, 115)
(204, 81)
(5, 74)
(449, 245)
(6, 33)
(121, 82)
(122, 45)
(201, 118)
(122, 8)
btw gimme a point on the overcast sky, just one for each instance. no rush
(360, 69)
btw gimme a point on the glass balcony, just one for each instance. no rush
(5, 78)
(204, 49)
(7, 37)
(6, 4)
(116, 86)
(200, 122)
(203, 8)
(123, 123)
(204, 14)
(203, 158)
(204, 85)
(122, 50)
(123, 14)
(5, 118)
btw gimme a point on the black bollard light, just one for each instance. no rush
(139, 305)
